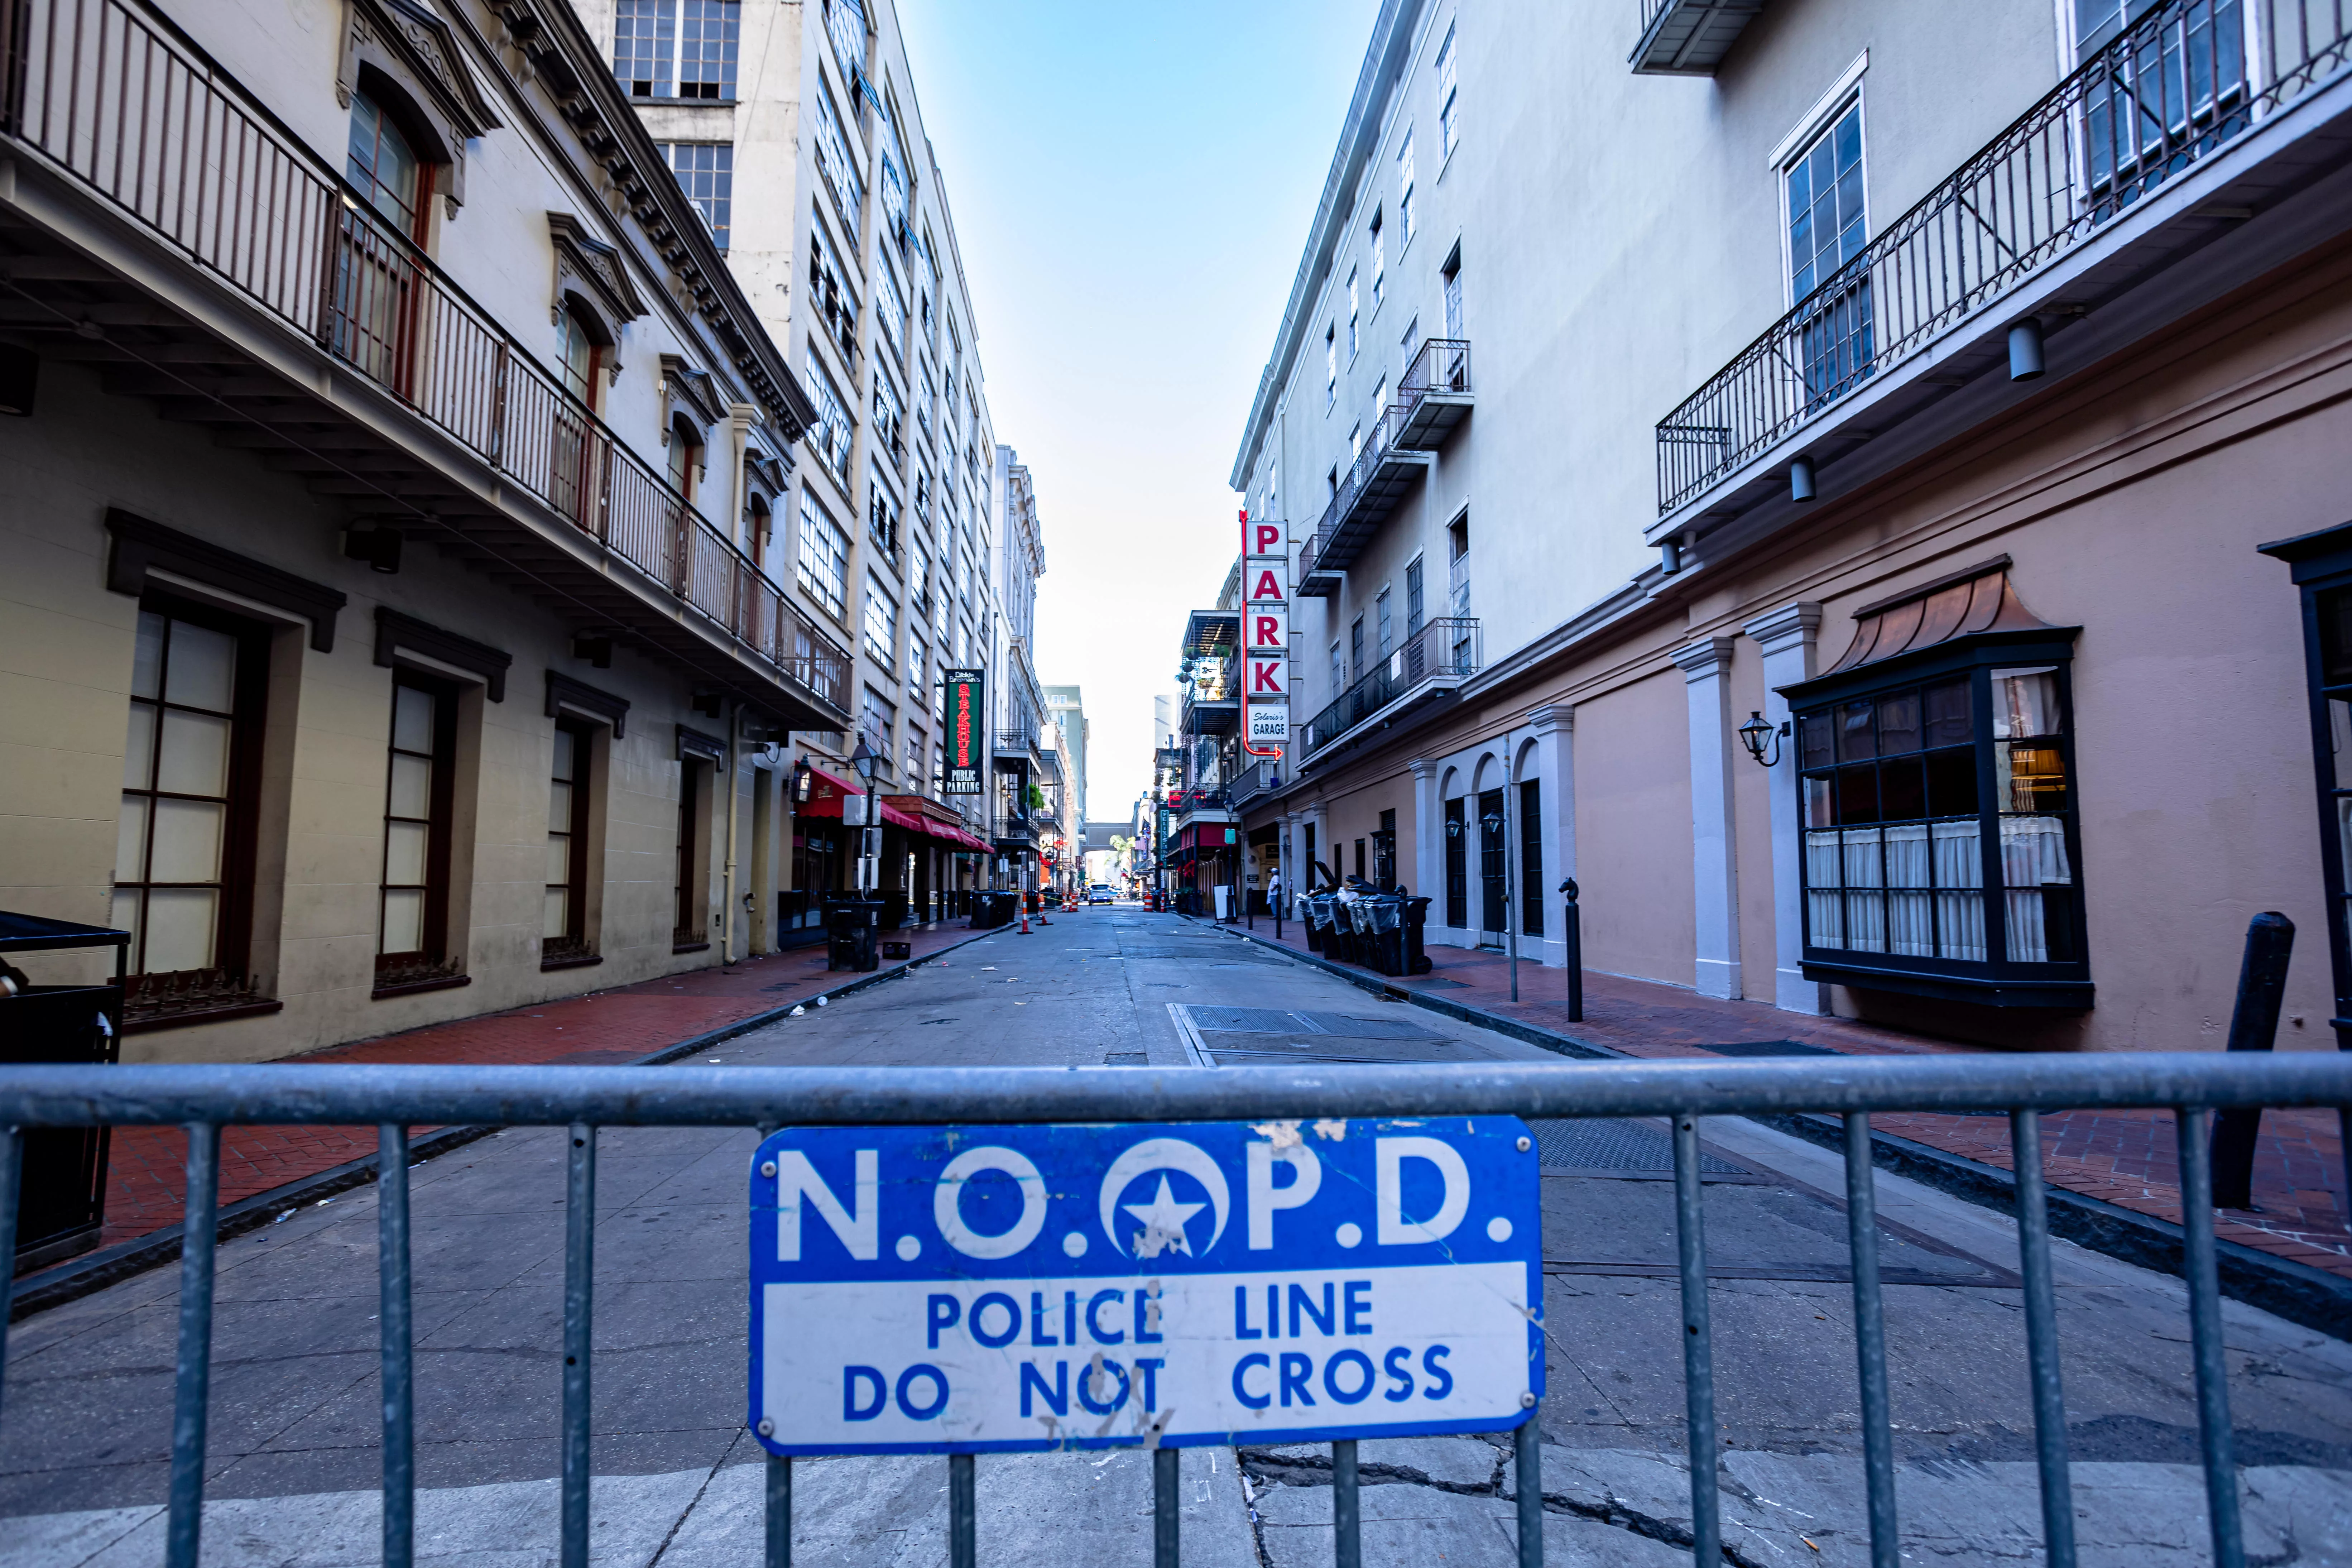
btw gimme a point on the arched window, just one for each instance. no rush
(685, 457)
(583, 356)
(385, 168)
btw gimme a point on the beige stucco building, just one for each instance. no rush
(387, 626)
(1647, 372)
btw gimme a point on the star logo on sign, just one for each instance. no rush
(1163, 1223)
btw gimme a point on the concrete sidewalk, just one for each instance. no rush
(146, 1169)
(2124, 1158)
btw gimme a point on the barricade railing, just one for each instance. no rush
(203, 1099)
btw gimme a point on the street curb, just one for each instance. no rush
(94, 1271)
(2295, 1291)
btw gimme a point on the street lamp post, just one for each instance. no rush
(868, 846)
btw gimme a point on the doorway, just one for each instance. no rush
(1493, 906)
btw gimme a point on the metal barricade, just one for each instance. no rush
(203, 1099)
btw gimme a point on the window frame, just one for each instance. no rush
(422, 966)
(234, 885)
(1996, 980)
(576, 945)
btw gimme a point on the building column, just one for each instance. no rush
(1428, 833)
(1554, 728)
(1787, 636)
(1715, 864)
(1319, 819)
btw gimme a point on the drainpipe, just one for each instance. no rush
(727, 904)
(1510, 874)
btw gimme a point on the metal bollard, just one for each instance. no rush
(2254, 1027)
(1572, 935)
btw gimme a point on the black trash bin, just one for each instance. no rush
(1382, 918)
(1320, 937)
(1416, 920)
(64, 1176)
(1342, 943)
(852, 929)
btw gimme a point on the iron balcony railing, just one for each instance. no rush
(1446, 647)
(203, 1099)
(2168, 92)
(1264, 774)
(1333, 525)
(111, 94)
(1440, 364)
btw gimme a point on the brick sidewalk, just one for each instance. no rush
(2127, 1158)
(147, 1170)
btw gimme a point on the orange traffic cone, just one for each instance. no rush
(1025, 919)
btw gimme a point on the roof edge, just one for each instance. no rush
(1392, 31)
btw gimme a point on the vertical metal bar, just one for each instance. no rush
(2041, 1340)
(579, 1301)
(2205, 1338)
(780, 1512)
(12, 1173)
(1870, 1341)
(963, 1524)
(1698, 1348)
(399, 1384)
(1528, 1460)
(1347, 1515)
(198, 1232)
(1166, 1479)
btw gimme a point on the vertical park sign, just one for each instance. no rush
(1265, 633)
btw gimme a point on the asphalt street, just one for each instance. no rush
(85, 1434)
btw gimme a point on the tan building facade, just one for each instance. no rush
(387, 629)
(1968, 517)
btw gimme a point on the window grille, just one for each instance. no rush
(824, 558)
(706, 172)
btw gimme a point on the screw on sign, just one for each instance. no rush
(990, 1289)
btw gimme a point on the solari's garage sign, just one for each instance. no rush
(964, 1289)
(1265, 630)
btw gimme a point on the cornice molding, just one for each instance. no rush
(566, 694)
(138, 545)
(394, 631)
(1703, 658)
(1791, 626)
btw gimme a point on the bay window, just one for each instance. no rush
(1940, 851)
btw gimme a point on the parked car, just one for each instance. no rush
(1100, 893)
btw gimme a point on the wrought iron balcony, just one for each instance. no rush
(1370, 491)
(104, 95)
(1436, 658)
(1689, 37)
(2171, 92)
(1253, 781)
(1434, 394)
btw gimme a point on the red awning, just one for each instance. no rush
(824, 795)
(917, 818)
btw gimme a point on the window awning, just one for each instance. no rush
(1963, 605)
(825, 792)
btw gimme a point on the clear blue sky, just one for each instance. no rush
(1132, 185)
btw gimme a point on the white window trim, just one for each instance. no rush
(1818, 118)
(1822, 126)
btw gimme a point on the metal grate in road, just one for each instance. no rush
(1269, 1020)
(1251, 1020)
(1613, 1144)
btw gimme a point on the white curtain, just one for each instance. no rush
(1865, 911)
(1824, 905)
(2032, 853)
(1910, 921)
(1959, 878)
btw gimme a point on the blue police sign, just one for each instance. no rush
(955, 1289)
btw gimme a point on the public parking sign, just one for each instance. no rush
(958, 1289)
